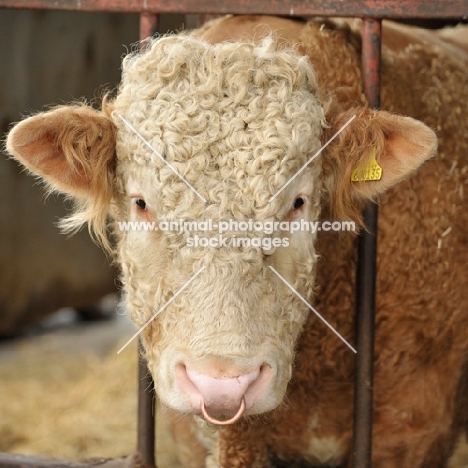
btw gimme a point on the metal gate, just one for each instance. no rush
(372, 12)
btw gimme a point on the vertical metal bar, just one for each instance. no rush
(146, 416)
(366, 273)
(371, 48)
(146, 437)
(148, 25)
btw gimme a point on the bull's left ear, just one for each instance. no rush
(374, 152)
(71, 147)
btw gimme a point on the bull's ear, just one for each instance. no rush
(71, 147)
(375, 151)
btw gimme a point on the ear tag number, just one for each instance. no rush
(369, 171)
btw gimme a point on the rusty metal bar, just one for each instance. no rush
(148, 25)
(371, 48)
(146, 436)
(144, 456)
(366, 272)
(426, 9)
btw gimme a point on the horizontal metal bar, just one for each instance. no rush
(11, 460)
(425, 9)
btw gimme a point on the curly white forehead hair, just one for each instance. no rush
(235, 119)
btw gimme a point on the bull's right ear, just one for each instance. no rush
(71, 147)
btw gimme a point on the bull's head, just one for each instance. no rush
(200, 132)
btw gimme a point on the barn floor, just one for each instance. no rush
(66, 393)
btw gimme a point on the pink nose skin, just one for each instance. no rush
(222, 400)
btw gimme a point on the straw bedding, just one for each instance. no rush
(72, 405)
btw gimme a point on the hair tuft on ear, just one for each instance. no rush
(399, 145)
(73, 149)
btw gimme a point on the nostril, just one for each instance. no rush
(259, 387)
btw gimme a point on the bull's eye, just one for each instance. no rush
(298, 203)
(140, 203)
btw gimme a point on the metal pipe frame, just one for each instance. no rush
(146, 437)
(146, 432)
(425, 9)
(366, 272)
(372, 11)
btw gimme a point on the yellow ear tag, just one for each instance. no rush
(369, 171)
